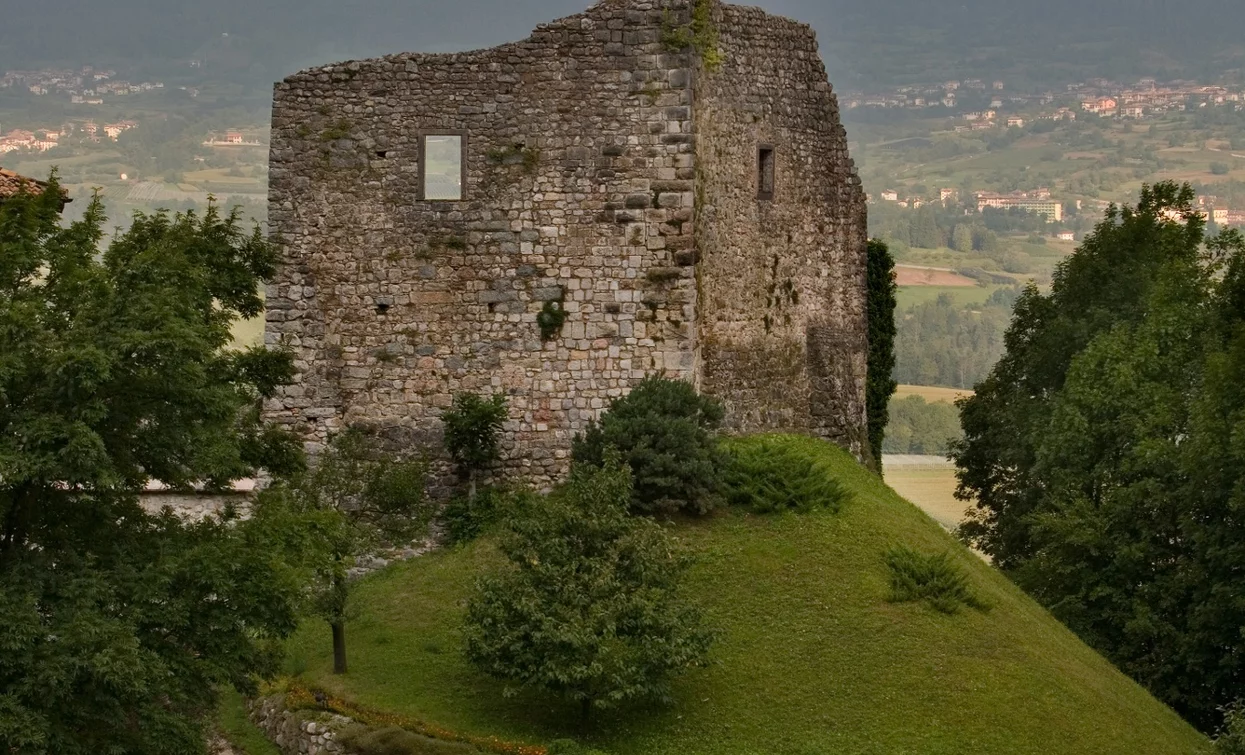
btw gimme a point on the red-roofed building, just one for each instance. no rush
(11, 184)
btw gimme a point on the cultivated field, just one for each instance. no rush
(932, 394)
(931, 488)
(908, 275)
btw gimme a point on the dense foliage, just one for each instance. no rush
(940, 343)
(589, 605)
(667, 434)
(922, 428)
(472, 428)
(1107, 450)
(881, 306)
(114, 371)
(1231, 738)
(358, 497)
(464, 517)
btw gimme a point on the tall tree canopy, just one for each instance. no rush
(115, 370)
(1106, 450)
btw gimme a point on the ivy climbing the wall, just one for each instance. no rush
(700, 34)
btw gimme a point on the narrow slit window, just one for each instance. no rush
(765, 172)
(442, 167)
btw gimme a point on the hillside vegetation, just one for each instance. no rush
(812, 655)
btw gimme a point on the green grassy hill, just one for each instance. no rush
(813, 657)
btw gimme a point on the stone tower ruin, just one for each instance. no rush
(652, 186)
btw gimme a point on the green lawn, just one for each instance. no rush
(812, 657)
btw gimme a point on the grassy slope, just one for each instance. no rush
(244, 736)
(812, 659)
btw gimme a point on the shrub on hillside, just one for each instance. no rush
(472, 427)
(667, 433)
(465, 518)
(933, 578)
(773, 473)
(589, 605)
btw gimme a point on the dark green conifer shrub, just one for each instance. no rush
(933, 578)
(776, 473)
(667, 433)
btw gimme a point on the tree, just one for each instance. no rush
(115, 370)
(358, 497)
(589, 605)
(1105, 450)
(881, 382)
(667, 434)
(472, 426)
(962, 238)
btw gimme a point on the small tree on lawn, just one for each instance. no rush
(667, 433)
(472, 427)
(357, 498)
(589, 605)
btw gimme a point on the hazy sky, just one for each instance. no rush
(860, 38)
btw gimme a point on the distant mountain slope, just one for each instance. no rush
(812, 659)
(866, 43)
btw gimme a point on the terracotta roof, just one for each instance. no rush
(11, 184)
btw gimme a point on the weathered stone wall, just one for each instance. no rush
(295, 732)
(579, 171)
(195, 506)
(582, 179)
(782, 300)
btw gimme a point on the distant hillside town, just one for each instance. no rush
(86, 85)
(985, 105)
(48, 138)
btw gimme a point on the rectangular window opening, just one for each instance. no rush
(765, 172)
(442, 166)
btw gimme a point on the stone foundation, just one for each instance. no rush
(297, 732)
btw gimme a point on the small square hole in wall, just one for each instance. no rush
(765, 172)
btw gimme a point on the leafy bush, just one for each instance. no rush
(776, 473)
(1231, 739)
(933, 578)
(393, 740)
(466, 518)
(472, 426)
(666, 432)
(589, 605)
(1220, 169)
